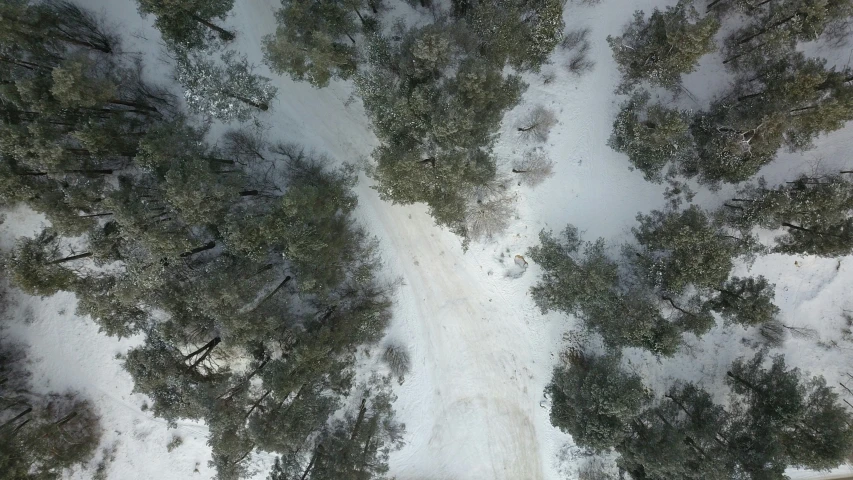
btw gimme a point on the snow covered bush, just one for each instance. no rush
(533, 168)
(538, 124)
(397, 358)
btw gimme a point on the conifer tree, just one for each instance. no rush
(784, 102)
(579, 279)
(651, 135)
(776, 28)
(662, 48)
(747, 301)
(677, 249)
(786, 419)
(522, 33)
(595, 401)
(36, 264)
(814, 211)
(316, 41)
(191, 23)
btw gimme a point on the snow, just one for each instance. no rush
(481, 352)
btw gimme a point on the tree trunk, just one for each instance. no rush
(62, 421)
(519, 171)
(231, 391)
(105, 214)
(255, 405)
(223, 34)
(361, 411)
(71, 258)
(141, 106)
(275, 290)
(317, 452)
(735, 57)
(16, 417)
(207, 348)
(249, 193)
(244, 455)
(208, 246)
(743, 382)
(260, 106)
(712, 5)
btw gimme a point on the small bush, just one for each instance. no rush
(538, 123)
(773, 333)
(397, 358)
(534, 168)
(575, 38)
(174, 443)
(579, 64)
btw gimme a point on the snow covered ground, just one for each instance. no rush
(481, 352)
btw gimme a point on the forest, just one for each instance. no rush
(257, 293)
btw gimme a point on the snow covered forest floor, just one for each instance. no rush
(481, 352)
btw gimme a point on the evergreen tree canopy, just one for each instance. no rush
(775, 28)
(436, 107)
(678, 249)
(594, 401)
(785, 102)
(662, 48)
(189, 22)
(651, 135)
(522, 33)
(316, 41)
(228, 90)
(579, 279)
(814, 211)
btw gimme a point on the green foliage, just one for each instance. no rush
(747, 301)
(41, 435)
(678, 249)
(587, 283)
(522, 33)
(784, 102)
(663, 47)
(775, 28)
(315, 41)
(651, 135)
(594, 401)
(188, 22)
(786, 420)
(35, 265)
(813, 210)
(437, 126)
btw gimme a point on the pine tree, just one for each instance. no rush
(316, 41)
(785, 419)
(777, 27)
(41, 435)
(36, 264)
(813, 210)
(595, 401)
(678, 249)
(437, 126)
(663, 47)
(189, 22)
(522, 33)
(651, 135)
(225, 91)
(579, 279)
(747, 301)
(784, 102)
